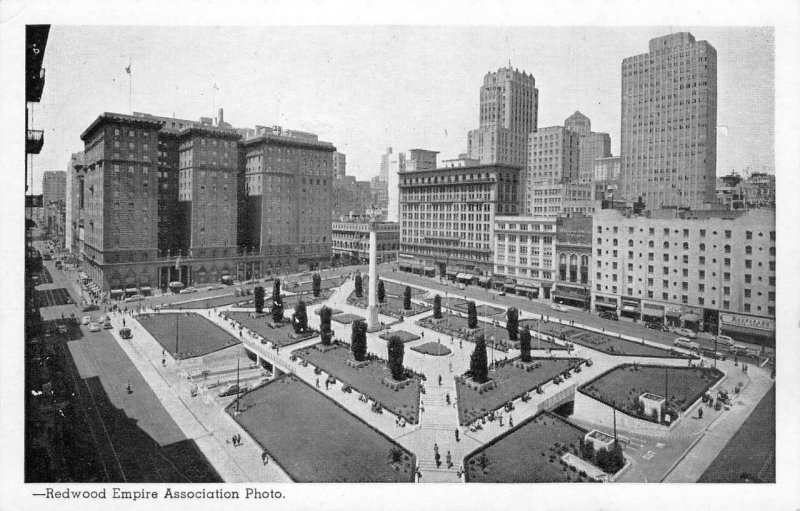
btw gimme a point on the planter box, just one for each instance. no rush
(396, 385)
(357, 365)
(325, 349)
(481, 387)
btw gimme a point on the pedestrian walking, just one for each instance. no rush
(450, 366)
(438, 460)
(164, 362)
(510, 422)
(123, 321)
(447, 397)
(449, 460)
(440, 380)
(436, 449)
(460, 344)
(128, 387)
(317, 382)
(326, 384)
(457, 438)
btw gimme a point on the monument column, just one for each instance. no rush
(373, 278)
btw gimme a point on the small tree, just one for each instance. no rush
(258, 298)
(358, 340)
(277, 302)
(407, 298)
(472, 315)
(316, 284)
(525, 344)
(512, 323)
(300, 317)
(381, 292)
(325, 325)
(359, 286)
(478, 363)
(437, 307)
(396, 352)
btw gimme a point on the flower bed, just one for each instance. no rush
(400, 334)
(432, 348)
(262, 325)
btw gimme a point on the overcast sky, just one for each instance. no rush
(368, 88)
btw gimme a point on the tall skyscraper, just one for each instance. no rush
(669, 117)
(592, 145)
(339, 165)
(54, 186)
(509, 103)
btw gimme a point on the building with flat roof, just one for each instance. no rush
(153, 203)
(351, 241)
(509, 105)
(447, 216)
(339, 165)
(525, 255)
(669, 123)
(690, 268)
(574, 257)
(350, 197)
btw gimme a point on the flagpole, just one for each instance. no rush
(130, 87)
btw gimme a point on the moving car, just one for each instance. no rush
(94, 327)
(125, 333)
(134, 298)
(685, 332)
(609, 315)
(724, 340)
(107, 325)
(233, 390)
(683, 342)
(91, 308)
(559, 307)
(188, 290)
(86, 320)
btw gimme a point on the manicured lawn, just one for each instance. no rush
(460, 305)
(601, 342)
(346, 319)
(512, 382)
(306, 285)
(277, 336)
(208, 303)
(528, 454)
(625, 383)
(317, 440)
(393, 289)
(402, 334)
(751, 451)
(432, 348)
(197, 335)
(366, 380)
(391, 305)
(455, 325)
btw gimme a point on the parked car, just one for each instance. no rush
(685, 332)
(188, 290)
(94, 327)
(91, 308)
(107, 325)
(233, 390)
(559, 307)
(609, 315)
(86, 320)
(134, 298)
(215, 287)
(125, 333)
(684, 342)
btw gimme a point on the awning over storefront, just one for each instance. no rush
(130, 290)
(603, 305)
(510, 287)
(673, 311)
(404, 266)
(527, 289)
(452, 273)
(630, 308)
(465, 276)
(483, 280)
(429, 269)
(690, 317)
(116, 292)
(145, 290)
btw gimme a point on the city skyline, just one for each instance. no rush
(431, 106)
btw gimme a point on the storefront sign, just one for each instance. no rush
(748, 322)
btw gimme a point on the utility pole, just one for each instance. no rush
(177, 336)
(238, 390)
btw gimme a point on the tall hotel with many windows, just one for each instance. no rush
(669, 119)
(161, 200)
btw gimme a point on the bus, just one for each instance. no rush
(683, 342)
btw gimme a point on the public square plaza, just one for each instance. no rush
(437, 424)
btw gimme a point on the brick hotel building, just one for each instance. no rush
(163, 200)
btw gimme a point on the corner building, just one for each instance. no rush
(447, 217)
(709, 270)
(669, 123)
